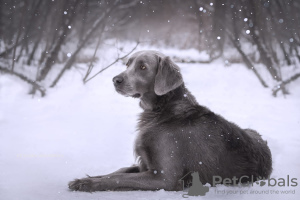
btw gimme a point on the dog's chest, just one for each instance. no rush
(148, 132)
(143, 150)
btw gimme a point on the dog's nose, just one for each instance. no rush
(117, 80)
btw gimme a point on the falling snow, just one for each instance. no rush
(42, 122)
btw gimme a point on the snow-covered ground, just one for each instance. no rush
(89, 129)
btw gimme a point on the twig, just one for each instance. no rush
(182, 60)
(24, 78)
(119, 58)
(91, 66)
(283, 83)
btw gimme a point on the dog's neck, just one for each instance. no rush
(152, 102)
(148, 101)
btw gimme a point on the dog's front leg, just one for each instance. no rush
(127, 181)
(132, 169)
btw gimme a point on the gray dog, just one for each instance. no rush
(177, 135)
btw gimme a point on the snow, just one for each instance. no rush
(90, 129)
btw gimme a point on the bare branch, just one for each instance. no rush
(283, 83)
(91, 65)
(119, 58)
(245, 58)
(24, 78)
(182, 60)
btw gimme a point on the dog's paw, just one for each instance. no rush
(85, 185)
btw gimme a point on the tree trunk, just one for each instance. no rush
(37, 42)
(32, 21)
(56, 48)
(18, 36)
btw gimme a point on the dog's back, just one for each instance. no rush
(200, 140)
(262, 153)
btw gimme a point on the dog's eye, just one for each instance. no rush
(127, 64)
(143, 67)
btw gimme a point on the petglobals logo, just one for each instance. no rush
(196, 187)
(251, 180)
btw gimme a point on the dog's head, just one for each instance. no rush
(148, 72)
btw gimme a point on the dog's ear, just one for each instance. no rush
(168, 76)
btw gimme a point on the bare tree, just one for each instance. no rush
(36, 32)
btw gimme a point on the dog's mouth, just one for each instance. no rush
(137, 95)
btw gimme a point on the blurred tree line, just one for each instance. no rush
(35, 32)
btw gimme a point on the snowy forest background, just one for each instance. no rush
(61, 118)
(42, 34)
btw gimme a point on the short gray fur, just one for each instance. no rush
(176, 135)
